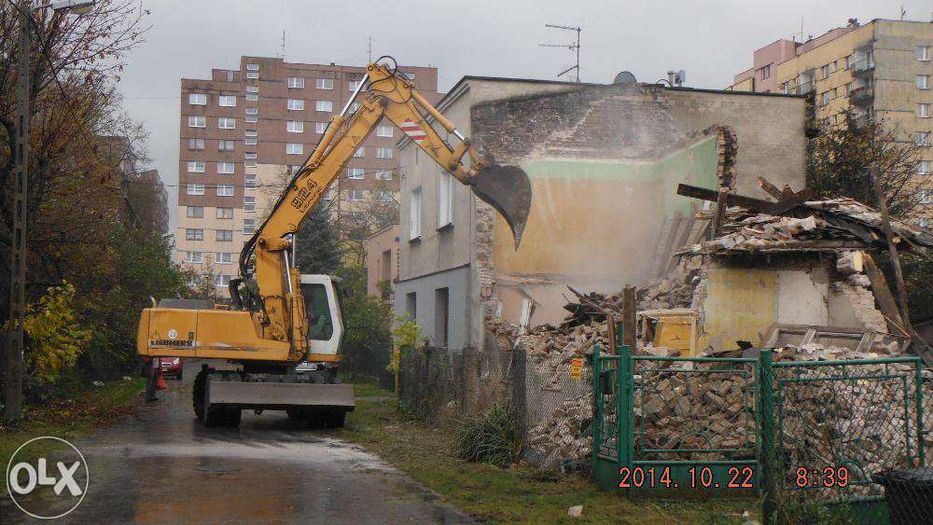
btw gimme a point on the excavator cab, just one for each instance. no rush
(321, 294)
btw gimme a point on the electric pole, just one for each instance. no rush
(573, 46)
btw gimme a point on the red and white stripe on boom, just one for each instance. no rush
(413, 130)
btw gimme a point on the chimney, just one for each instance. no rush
(853, 23)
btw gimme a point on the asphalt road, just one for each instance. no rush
(161, 466)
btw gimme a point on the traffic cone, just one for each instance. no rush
(161, 384)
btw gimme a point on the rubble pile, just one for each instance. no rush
(564, 438)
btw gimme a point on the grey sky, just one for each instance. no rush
(711, 39)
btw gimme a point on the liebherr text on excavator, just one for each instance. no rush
(280, 318)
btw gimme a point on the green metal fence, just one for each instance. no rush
(807, 435)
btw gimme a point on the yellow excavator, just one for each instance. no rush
(284, 329)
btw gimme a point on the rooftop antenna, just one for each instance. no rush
(800, 34)
(283, 45)
(903, 11)
(573, 46)
(370, 60)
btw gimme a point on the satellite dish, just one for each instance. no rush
(625, 77)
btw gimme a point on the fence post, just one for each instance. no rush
(768, 456)
(597, 409)
(624, 412)
(920, 431)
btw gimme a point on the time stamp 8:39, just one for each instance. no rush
(736, 477)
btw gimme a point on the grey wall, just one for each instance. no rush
(457, 283)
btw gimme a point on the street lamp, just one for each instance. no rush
(13, 382)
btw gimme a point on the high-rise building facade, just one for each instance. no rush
(879, 70)
(244, 131)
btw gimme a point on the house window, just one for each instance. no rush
(353, 85)
(923, 138)
(296, 82)
(824, 72)
(296, 104)
(356, 195)
(324, 83)
(825, 98)
(195, 144)
(222, 281)
(415, 214)
(252, 89)
(195, 189)
(197, 99)
(197, 121)
(251, 141)
(250, 164)
(225, 190)
(385, 131)
(384, 153)
(224, 235)
(923, 110)
(293, 148)
(252, 97)
(251, 119)
(766, 72)
(923, 81)
(226, 123)
(445, 200)
(360, 152)
(411, 305)
(324, 105)
(320, 127)
(923, 168)
(194, 257)
(249, 204)
(225, 168)
(295, 126)
(249, 226)
(223, 257)
(195, 166)
(252, 111)
(252, 67)
(252, 71)
(923, 53)
(194, 212)
(251, 180)
(228, 101)
(355, 173)
(384, 196)
(194, 234)
(250, 155)
(224, 213)
(383, 174)
(441, 317)
(225, 145)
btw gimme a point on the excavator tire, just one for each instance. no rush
(200, 382)
(212, 416)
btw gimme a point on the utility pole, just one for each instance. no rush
(574, 46)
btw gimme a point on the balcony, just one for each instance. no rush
(863, 96)
(863, 68)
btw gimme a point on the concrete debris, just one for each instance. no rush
(576, 511)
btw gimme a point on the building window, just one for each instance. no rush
(252, 67)
(249, 204)
(195, 144)
(252, 71)
(293, 148)
(224, 213)
(296, 82)
(923, 81)
(353, 85)
(250, 164)
(923, 138)
(197, 121)
(923, 167)
(824, 72)
(295, 126)
(360, 152)
(249, 226)
(923, 110)
(225, 168)
(252, 89)
(415, 214)
(251, 141)
(411, 305)
(383, 174)
(848, 89)
(225, 145)
(384, 196)
(195, 166)
(324, 105)
(197, 99)
(926, 197)
(355, 173)
(296, 104)
(385, 131)
(194, 234)
(409, 76)
(225, 190)
(825, 98)
(384, 153)
(223, 257)
(224, 235)
(354, 106)
(251, 119)
(250, 155)
(194, 212)
(228, 101)
(356, 195)
(195, 189)
(251, 180)
(222, 281)
(766, 72)
(252, 111)
(320, 127)
(923, 53)
(226, 123)
(194, 257)
(252, 97)
(445, 200)
(441, 317)
(324, 83)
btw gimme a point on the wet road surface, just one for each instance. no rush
(161, 466)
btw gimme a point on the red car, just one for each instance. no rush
(171, 366)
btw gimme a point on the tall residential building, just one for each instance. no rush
(244, 131)
(878, 70)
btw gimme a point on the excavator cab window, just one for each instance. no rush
(320, 324)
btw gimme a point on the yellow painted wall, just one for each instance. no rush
(740, 304)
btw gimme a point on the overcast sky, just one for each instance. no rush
(711, 39)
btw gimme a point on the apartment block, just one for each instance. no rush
(879, 70)
(245, 131)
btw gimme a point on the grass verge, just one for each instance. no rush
(515, 494)
(76, 416)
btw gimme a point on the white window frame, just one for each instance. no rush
(326, 84)
(248, 164)
(923, 81)
(356, 195)
(384, 153)
(226, 123)
(250, 141)
(251, 119)
(360, 152)
(221, 280)
(226, 101)
(223, 257)
(383, 174)
(194, 189)
(194, 234)
(226, 168)
(324, 106)
(249, 204)
(252, 89)
(320, 127)
(445, 200)
(226, 190)
(923, 53)
(197, 99)
(222, 145)
(194, 257)
(295, 126)
(384, 196)
(385, 131)
(197, 121)
(294, 148)
(196, 144)
(923, 167)
(414, 214)
(352, 85)
(296, 82)
(252, 97)
(189, 212)
(356, 173)
(251, 133)
(220, 235)
(923, 110)
(251, 155)
(249, 226)
(223, 213)
(923, 138)
(296, 104)
(196, 166)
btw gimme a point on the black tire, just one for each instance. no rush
(234, 416)
(200, 382)
(296, 413)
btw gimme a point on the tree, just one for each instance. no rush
(318, 251)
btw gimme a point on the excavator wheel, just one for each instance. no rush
(200, 382)
(212, 416)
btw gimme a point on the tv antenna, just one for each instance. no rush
(283, 45)
(370, 50)
(573, 46)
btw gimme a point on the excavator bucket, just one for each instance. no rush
(508, 190)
